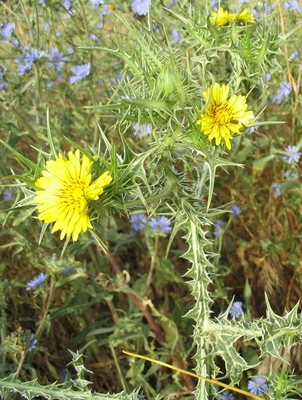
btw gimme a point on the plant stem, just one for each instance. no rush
(41, 324)
(153, 261)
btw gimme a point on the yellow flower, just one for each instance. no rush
(65, 190)
(220, 18)
(223, 17)
(223, 115)
(245, 16)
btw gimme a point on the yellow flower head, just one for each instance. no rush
(220, 18)
(223, 114)
(245, 16)
(223, 17)
(64, 192)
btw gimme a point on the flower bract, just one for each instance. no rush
(65, 191)
(224, 115)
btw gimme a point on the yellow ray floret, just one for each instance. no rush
(223, 17)
(65, 191)
(224, 115)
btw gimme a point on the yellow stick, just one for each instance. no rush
(252, 396)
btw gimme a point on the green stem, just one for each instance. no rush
(122, 380)
(153, 261)
(41, 324)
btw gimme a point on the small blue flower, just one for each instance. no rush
(140, 7)
(218, 227)
(292, 155)
(293, 5)
(142, 130)
(226, 395)
(30, 58)
(267, 77)
(80, 72)
(97, 2)
(36, 281)
(293, 55)
(176, 36)
(32, 342)
(107, 9)
(6, 195)
(7, 30)
(160, 224)
(276, 188)
(257, 385)
(213, 4)
(138, 221)
(252, 129)
(56, 59)
(236, 210)
(171, 4)
(236, 309)
(291, 175)
(63, 374)
(282, 93)
(67, 4)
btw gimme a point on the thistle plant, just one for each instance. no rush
(188, 103)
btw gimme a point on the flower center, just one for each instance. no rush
(221, 114)
(74, 195)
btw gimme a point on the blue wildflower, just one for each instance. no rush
(32, 342)
(218, 227)
(6, 195)
(276, 188)
(171, 4)
(226, 395)
(67, 4)
(291, 175)
(293, 55)
(176, 36)
(30, 58)
(140, 7)
(80, 72)
(267, 77)
(3, 85)
(142, 130)
(160, 224)
(292, 155)
(257, 385)
(252, 129)
(36, 281)
(63, 374)
(56, 59)
(138, 221)
(97, 2)
(283, 92)
(236, 309)
(107, 9)
(293, 5)
(7, 30)
(213, 4)
(15, 43)
(236, 210)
